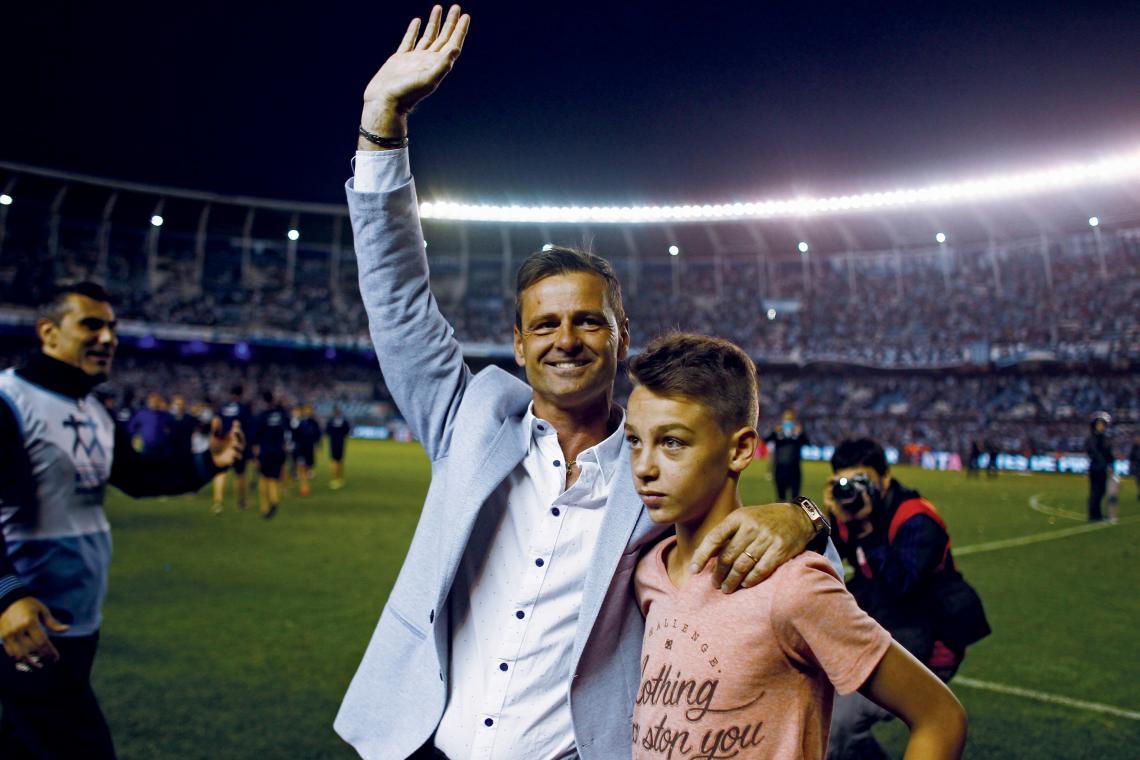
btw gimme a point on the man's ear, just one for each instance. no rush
(48, 332)
(520, 354)
(744, 442)
(623, 339)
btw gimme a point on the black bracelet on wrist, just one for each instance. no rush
(384, 142)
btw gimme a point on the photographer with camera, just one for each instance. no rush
(904, 577)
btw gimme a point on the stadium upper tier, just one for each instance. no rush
(997, 279)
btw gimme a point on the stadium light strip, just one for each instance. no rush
(994, 187)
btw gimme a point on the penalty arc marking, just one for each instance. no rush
(1036, 504)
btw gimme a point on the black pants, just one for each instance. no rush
(1098, 483)
(51, 713)
(788, 480)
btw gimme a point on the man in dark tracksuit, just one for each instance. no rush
(59, 448)
(1100, 461)
(270, 435)
(788, 439)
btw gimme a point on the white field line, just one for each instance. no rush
(1034, 538)
(1037, 505)
(1041, 696)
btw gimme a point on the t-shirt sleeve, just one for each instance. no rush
(643, 581)
(818, 623)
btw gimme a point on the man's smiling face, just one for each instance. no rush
(570, 341)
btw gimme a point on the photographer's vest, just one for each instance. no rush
(57, 536)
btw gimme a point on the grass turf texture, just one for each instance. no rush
(235, 637)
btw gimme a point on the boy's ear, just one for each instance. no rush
(743, 448)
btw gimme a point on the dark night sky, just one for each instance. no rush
(574, 101)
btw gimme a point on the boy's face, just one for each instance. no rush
(680, 456)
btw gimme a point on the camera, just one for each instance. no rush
(848, 492)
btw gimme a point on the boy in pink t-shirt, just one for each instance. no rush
(750, 674)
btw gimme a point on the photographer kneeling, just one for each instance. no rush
(904, 577)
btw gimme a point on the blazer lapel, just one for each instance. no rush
(506, 450)
(623, 508)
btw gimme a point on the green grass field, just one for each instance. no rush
(233, 637)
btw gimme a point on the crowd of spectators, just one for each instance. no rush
(1068, 299)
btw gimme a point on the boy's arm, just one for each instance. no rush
(936, 719)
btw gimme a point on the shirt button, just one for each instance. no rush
(503, 666)
(520, 614)
(557, 463)
(539, 562)
(431, 616)
(554, 511)
(488, 723)
(542, 428)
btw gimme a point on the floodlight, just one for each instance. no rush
(771, 314)
(5, 199)
(1094, 221)
(156, 221)
(674, 250)
(803, 246)
(940, 237)
(1121, 167)
(548, 247)
(294, 234)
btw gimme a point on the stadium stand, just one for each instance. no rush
(1016, 327)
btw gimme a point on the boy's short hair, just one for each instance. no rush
(860, 452)
(713, 371)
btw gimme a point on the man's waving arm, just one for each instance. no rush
(421, 360)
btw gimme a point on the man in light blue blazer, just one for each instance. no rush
(511, 631)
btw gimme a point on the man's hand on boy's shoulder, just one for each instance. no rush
(752, 542)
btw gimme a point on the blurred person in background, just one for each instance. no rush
(1100, 454)
(1134, 462)
(270, 434)
(236, 410)
(337, 429)
(59, 449)
(904, 577)
(182, 426)
(306, 434)
(788, 440)
(151, 426)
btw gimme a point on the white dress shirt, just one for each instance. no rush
(515, 600)
(514, 603)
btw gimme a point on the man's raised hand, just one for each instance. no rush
(412, 73)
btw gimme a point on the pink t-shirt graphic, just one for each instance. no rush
(750, 674)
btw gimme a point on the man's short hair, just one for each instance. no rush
(55, 306)
(859, 452)
(559, 260)
(712, 371)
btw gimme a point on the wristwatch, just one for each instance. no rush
(815, 514)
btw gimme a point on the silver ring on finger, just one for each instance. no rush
(23, 667)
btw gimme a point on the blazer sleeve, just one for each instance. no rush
(421, 360)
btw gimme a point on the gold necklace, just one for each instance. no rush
(570, 466)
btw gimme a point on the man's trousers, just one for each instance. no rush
(51, 713)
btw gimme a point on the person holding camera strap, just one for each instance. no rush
(904, 577)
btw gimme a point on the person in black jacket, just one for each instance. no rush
(1100, 462)
(899, 548)
(788, 440)
(59, 448)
